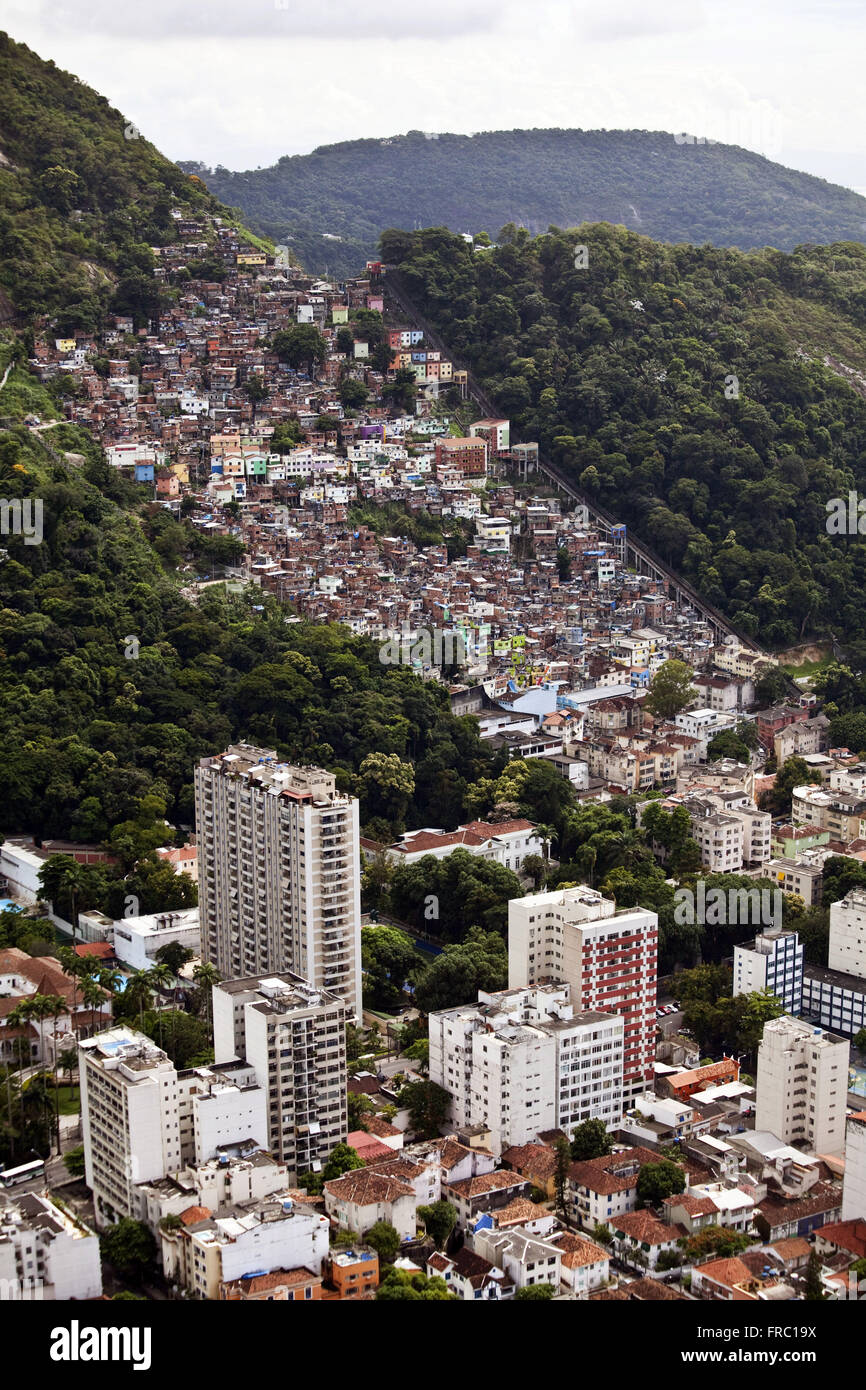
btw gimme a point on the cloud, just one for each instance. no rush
(176, 20)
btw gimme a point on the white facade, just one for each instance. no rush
(854, 1185)
(802, 1085)
(521, 1062)
(774, 962)
(847, 951)
(268, 1235)
(526, 1259)
(279, 871)
(607, 957)
(142, 1119)
(44, 1253)
(137, 939)
(294, 1038)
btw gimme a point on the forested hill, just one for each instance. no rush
(83, 197)
(333, 203)
(713, 399)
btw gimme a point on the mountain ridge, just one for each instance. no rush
(332, 203)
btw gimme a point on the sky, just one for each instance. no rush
(242, 82)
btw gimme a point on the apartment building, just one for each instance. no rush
(608, 958)
(802, 1085)
(842, 813)
(279, 875)
(293, 1036)
(773, 961)
(730, 832)
(206, 1255)
(143, 1119)
(847, 950)
(522, 1061)
(854, 1183)
(44, 1252)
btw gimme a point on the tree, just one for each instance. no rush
(439, 1220)
(428, 1106)
(813, 1288)
(859, 1040)
(388, 956)
(715, 1240)
(74, 1161)
(129, 1246)
(206, 977)
(383, 1238)
(61, 880)
(301, 346)
(563, 1165)
(534, 867)
(342, 1159)
(659, 1180)
(670, 689)
(353, 394)
(358, 1106)
(794, 772)
(590, 1140)
(419, 1051)
(399, 1285)
(535, 1293)
(174, 956)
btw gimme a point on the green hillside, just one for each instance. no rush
(83, 197)
(333, 203)
(685, 389)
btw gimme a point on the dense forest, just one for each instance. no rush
(331, 205)
(92, 721)
(712, 399)
(83, 198)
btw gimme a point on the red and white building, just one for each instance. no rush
(608, 958)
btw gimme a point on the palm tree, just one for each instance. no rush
(61, 877)
(92, 994)
(546, 834)
(206, 976)
(138, 992)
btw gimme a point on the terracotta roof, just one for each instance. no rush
(438, 1262)
(793, 1247)
(729, 1272)
(537, 1159)
(708, 1073)
(577, 1252)
(374, 1124)
(518, 1212)
(364, 1187)
(694, 1206)
(485, 1182)
(367, 1146)
(645, 1227)
(847, 1235)
(601, 1174)
(193, 1215)
(778, 1210)
(277, 1279)
(98, 950)
(504, 827)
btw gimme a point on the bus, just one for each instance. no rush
(25, 1173)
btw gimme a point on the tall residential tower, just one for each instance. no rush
(279, 871)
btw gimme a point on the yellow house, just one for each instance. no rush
(252, 258)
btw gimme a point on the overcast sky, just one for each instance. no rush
(241, 82)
